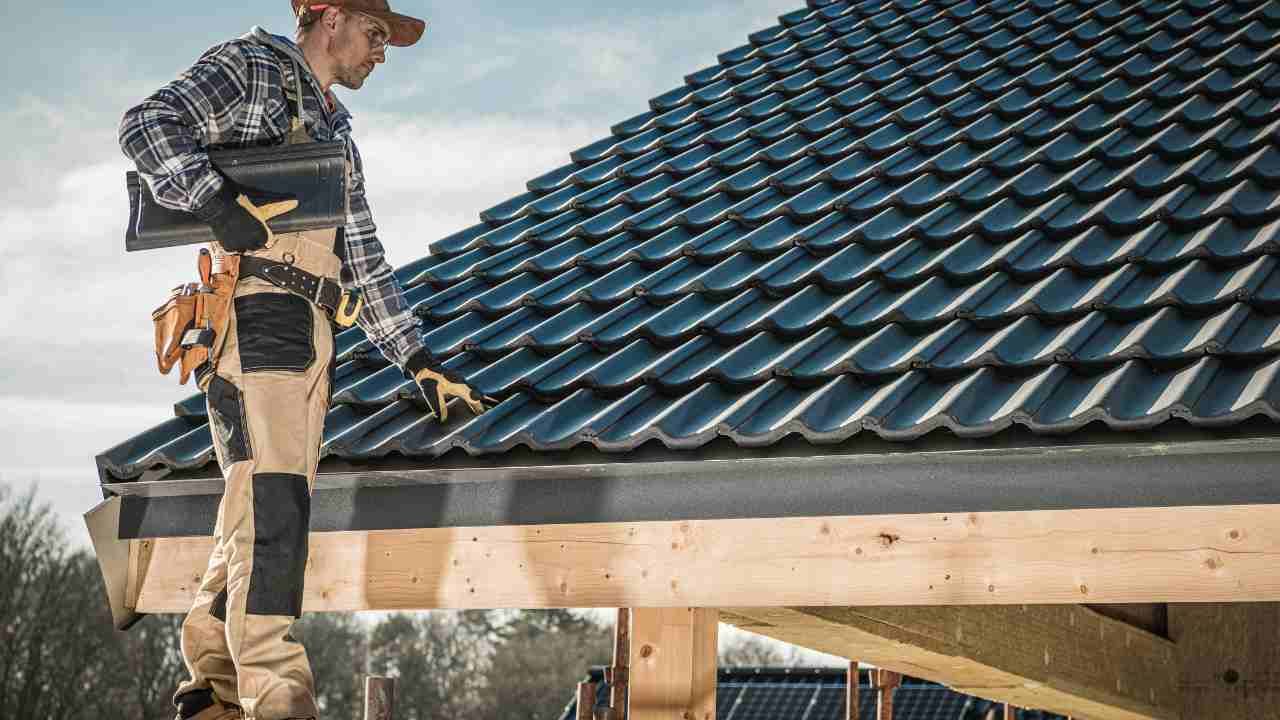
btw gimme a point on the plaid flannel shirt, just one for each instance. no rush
(233, 96)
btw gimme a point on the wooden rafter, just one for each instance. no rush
(1063, 658)
(1230, 659)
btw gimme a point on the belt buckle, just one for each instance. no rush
(348, 309)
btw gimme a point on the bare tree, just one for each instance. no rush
(438, 657)
(538, 661)
(338, 648)
(151, 654)
(54, 649)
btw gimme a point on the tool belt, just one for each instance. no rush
(341, 306)
(190, 323)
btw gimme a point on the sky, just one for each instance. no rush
(494, 95)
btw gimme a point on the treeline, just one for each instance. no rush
(60, 657)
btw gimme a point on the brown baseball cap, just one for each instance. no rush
(405, 30)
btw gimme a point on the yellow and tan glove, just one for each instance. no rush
(237, 223)
(439, 384)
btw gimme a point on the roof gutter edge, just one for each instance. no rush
(1237, 471)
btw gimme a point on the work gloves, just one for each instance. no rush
(439, 384)
(237, 223)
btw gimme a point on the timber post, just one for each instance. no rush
(886, 681)
(616, 674)
(671, 669)
(379, 697)
(586, 701)
(852, 698)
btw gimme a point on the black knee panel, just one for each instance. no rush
(281, 516)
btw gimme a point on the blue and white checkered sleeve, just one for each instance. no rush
(166, 133)
(386, 317)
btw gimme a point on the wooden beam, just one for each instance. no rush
(1066, 659)
(672, 669)
(117, 561)
(1229, 659)
(1191, 554)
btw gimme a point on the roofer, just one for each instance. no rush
(269, 369)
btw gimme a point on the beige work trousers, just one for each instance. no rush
(267, 399)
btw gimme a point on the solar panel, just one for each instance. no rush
(828, 704)
(928, 702)
(772, 702)
(867, 703)
(768, 694)
(726, 695)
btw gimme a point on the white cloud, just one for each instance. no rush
(52, 442)
(430, 176)
(599, 66)
(66, 276)
(71, 428)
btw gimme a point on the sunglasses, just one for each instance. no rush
(377, 37)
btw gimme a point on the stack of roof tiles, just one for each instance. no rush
(881, 216)
(819, 694)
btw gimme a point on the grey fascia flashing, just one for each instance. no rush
(1107, 475)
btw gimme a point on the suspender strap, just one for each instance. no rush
(295, 118)
(294, 100)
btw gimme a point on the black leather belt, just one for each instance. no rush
(342, 306)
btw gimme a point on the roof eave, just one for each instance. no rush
(1177, 467)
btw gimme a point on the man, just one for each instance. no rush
(269, 378)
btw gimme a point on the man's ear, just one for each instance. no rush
(331, 17)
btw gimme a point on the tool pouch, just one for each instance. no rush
(172, 320)
(215, 317)
(191, 325)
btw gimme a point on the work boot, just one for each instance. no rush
(217, 711)
(202, 704)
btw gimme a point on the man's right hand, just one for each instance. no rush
(237, 223)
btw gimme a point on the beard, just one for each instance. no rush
(350, 77)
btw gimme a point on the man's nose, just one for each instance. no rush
(380, 55)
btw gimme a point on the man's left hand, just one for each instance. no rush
(438, 385)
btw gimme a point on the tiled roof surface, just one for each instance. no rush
(819, 694)
(879, 215)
